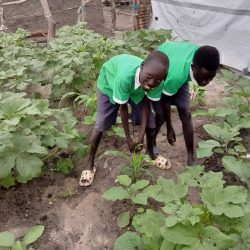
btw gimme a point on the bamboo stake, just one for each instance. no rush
(50, 21)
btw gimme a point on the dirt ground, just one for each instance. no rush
(29, 15)
(85, 220)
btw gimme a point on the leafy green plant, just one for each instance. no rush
(197, 94)
(8, 242)
(134, 166)
(29, 129)
(143, 41)
(219, 221)
(65, 165)
(129, 191)
(116, 130)
(225, 140)
(19, 61)
(238, 167)
(89, 103)
(236, 104)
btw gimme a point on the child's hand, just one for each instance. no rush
(131, 145)
(138, 147)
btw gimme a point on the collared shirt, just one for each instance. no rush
(180, 56)
(191, 74)
(119, 80)
(137, 78)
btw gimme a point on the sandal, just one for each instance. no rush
(87, 177)
(161, 162)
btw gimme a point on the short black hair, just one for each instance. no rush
(207, 57)
(158, 56)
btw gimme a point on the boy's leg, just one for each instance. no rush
(159, 121)
(150, 129)
(105, 118)
(159, 116)
(182, 102)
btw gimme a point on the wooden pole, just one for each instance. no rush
(1, 15)
(135, 16)
(50, 20)
(15, 2)
(113, 13)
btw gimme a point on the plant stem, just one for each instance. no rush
(51, 154)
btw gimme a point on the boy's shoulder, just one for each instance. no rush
(124, 59)
(123, 66)
(177, 45)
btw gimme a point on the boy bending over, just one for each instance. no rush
(126, 79)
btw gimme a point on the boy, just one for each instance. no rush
(122, 79)
(188, 62)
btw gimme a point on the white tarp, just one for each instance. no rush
(223, 24)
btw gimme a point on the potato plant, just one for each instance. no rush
(220, 221)
(29, 129)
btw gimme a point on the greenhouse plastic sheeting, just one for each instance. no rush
(224, 24)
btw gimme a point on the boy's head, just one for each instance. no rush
(153, 70)
(205, 64)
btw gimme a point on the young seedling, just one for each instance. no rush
(8, 241)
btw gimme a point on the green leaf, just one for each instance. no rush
(149, 223)
(172, 220)
(242, 242)
(17, 246)
(116, 193)
(37, 149)
(206, 148)
(65, 165)
(200, 112)
(221, 112)
(90, 119)
(81, 149)
(7, 163)
(28, 167)
(240, 148)
(124, 180)
(7, 182)
(152, 243)
(191, 176)
(123, 219)
(141, 199)
(7, 239)
(141, 184)
(166, 245)
(238, 167)
(117, 131)
(213, 130)
(197, 237)
(33, 234)
(182, 213)
(245, 122)
(166, 190)
(211, 180)
(128, 241)
(225, 201)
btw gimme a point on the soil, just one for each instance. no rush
(29, 15)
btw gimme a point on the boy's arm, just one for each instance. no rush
(124, 118)
(145, 110)
(167, 111)
(167, 117)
